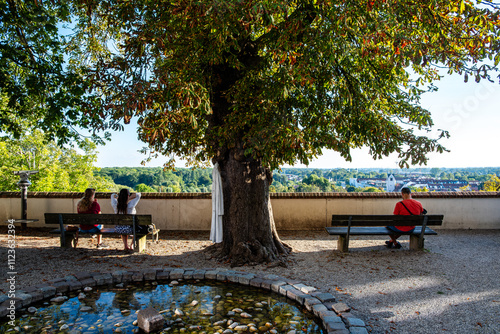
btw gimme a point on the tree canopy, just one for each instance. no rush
(207, 76)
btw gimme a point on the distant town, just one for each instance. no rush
(155, 179)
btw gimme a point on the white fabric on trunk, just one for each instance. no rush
(217, 206)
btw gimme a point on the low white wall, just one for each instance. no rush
(291, 211)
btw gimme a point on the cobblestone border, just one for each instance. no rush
(335, 316)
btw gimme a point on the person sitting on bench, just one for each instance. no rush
(125, 203)
(88, 204)
(406, 207)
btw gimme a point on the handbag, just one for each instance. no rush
(72, 228)
(144, 229)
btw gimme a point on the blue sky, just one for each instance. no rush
(469, 111)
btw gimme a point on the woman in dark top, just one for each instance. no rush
(88, 204)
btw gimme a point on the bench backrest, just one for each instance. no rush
(96, 219)
(385, 220)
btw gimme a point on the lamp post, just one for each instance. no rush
(24, 183)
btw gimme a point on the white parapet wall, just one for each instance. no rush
(292, 211)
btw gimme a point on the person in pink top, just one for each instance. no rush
(407, 207)
(88, 204)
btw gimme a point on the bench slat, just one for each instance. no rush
(96, 219)
(370, 230)
(385, 220)
(103, 231)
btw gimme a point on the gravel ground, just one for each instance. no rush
(452, 287)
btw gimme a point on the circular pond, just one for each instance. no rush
(187, 307)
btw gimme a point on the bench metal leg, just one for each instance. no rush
(416, 242)
(343, 244)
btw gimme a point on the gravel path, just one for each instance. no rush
(452, 287)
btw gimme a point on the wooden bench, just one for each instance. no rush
(68, 239)
(346, 225)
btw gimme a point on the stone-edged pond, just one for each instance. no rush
(188, 306)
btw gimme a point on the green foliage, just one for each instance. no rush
(142, 188)
(39, 87)
(372, 190)
(59, 168)
(493, 184)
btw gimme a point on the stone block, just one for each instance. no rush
(150, 320)
(275, 286)
(188, 274)
(338, 331)
(149, 274)
(273, 277)
(354, 322)
(211, 274)
(222, 276)
(177, 274)
(48, 291)
(341, 308)
(266, 284)
(323, 296)
(308, 289)
(61, 286)
(296, 295)
(82, 275)
(256, 282)
(317, 309)
(163, 275)
(88, 282)
(245, 279)
(117, 276)
(358, 330)
(74, 285)
(36, 294)
(137, 276)
(127, 276)
(309, 302)
(282, 290)
(103, 279)
(331, 324)
(199, 274)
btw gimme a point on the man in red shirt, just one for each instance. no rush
(406, 207)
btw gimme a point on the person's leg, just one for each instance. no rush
(99, 239)
(125, 241)
(394, 236)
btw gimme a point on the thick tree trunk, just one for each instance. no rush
(249, 233)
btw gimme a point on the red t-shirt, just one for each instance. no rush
(415, 208)
(94, 208)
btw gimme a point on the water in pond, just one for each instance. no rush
(188, 307)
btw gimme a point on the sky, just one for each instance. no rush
(469, 111)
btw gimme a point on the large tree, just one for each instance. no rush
(254, 84)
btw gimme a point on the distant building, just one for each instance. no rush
(390, 183)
